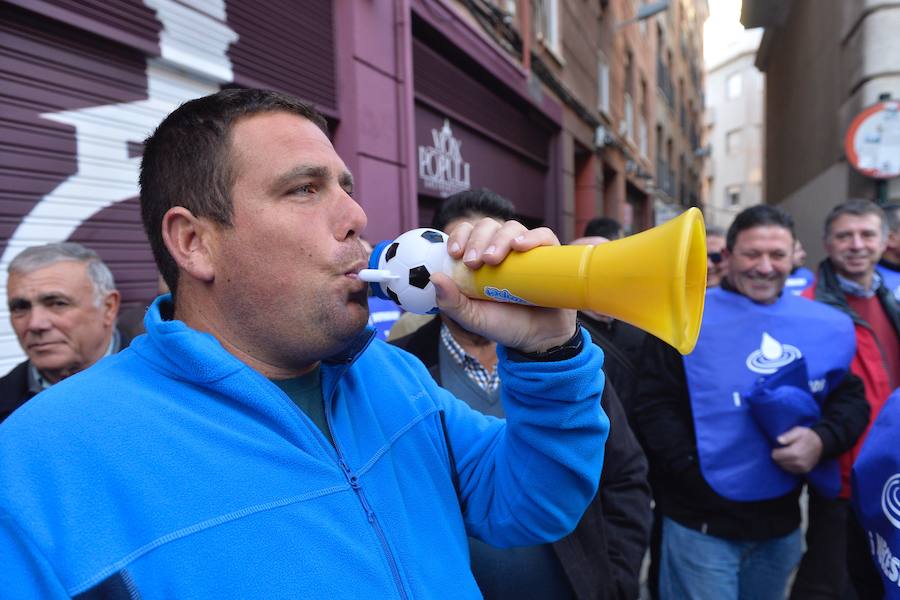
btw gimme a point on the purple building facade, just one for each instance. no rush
(420, 101)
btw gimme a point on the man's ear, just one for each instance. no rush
(110, 307)
(189, 240)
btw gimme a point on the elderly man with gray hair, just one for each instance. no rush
(63, 306)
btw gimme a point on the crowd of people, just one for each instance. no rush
(259, 441)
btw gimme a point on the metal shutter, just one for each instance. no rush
(82, 83)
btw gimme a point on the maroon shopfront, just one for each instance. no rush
(475, 124)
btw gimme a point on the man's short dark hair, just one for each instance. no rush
(857, 207)
(187, 161)
(604, 227)
(471, 203)
(758, 216)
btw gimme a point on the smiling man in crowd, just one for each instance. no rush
(856, 234)
(63, 306)
(727, 453)
(257, 442)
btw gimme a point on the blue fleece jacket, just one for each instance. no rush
(173, 470)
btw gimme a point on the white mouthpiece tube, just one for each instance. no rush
(377, 275)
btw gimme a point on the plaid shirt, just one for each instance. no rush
(474, 369)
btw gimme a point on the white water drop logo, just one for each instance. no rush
(890, 500)
(771, 356)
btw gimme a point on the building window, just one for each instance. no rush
(642, 136)
(643, 142)
(546, 26)
(603, 85)
(733, 86)
(629, 71)
(629, 117)
(733, 195)
(734, 139)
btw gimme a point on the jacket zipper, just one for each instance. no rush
(373, 521)
(353, 480)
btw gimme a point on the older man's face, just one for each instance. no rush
(854, 244)
(56, 319)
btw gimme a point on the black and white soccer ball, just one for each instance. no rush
(412, 258)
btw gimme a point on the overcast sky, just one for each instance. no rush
(723, 33)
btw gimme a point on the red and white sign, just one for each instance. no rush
(872, 143)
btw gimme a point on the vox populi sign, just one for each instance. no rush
(441, 165)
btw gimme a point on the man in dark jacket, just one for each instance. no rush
(601, 558)
(63, 306)
(725, 476)
(856, 234)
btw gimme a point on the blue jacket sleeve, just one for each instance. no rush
(26, 573)
(528, 479)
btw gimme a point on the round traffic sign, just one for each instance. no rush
(872, 142)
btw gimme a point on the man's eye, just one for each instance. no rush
(57, 305)
(306, 188)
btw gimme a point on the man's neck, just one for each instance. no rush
(206, 318)
(480, 348)
(863, 280)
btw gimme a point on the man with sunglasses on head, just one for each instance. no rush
(716, 267)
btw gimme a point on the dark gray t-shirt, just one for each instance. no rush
(306, 392)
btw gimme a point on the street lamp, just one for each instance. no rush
(645, 11)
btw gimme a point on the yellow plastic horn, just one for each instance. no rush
(655, 280)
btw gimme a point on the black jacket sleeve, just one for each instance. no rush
(625, 494)
(662, 409)
(602, 556)
(845, 416)
(664, 422)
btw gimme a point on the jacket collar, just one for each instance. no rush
(828, 291)
(197, 356)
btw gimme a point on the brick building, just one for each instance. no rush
(824, 62)
(423, 97)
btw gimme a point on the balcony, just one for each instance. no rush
(665, 178)
(664, 83)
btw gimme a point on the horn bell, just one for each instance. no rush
(654, 280)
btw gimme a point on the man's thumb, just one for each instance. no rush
(446, 293)
(788, 436)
